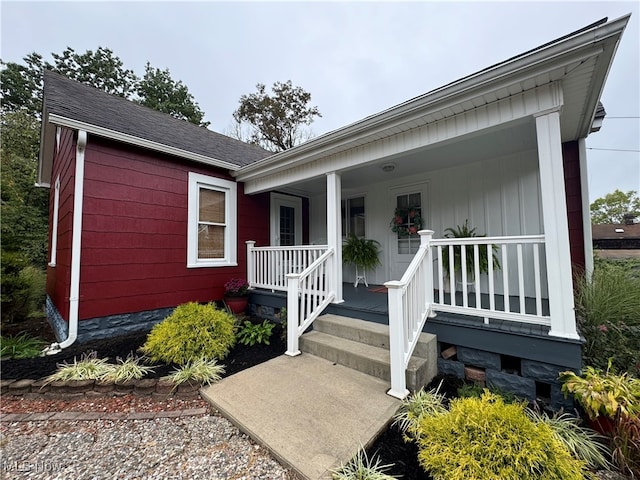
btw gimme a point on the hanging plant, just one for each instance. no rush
(406, 221)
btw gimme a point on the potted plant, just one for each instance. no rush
(603, 395)
(361, 252)
(236, 295)
(465, 231)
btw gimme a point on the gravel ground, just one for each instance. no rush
(197, 447)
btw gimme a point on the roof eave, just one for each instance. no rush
(479, 81)
(137, 141)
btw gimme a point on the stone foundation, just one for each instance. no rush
(105, 327)
(526, 378)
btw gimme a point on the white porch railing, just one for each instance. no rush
(517, 269)
(267, 267)
(410, 303)
(308, 294)
(411, 300)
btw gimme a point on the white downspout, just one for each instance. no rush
(74, 293)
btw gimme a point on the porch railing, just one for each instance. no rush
(410, 303)
(515, 274)
(267, 267)
(509, 270)
(308, 294)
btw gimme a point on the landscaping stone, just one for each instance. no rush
(543, 372)
(80, 386)
(164, 387)
(125, 387)
(450, 367)
(20, 387)
(520, 386)
(104, 387)
(4, 385)
(145, 386)
(478, 358)
(475, 374)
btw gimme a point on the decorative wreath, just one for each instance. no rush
(406, 221)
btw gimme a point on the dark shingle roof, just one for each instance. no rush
(74, 100)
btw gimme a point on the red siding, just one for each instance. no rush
(134, 244)
(571, 164)
(58, 277)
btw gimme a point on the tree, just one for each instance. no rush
(276, 120)
(159, 91)
(24, 206)
(613, 206)
(100, 69)
(21, 84)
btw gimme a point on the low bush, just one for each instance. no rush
(89, 367)
(199, 371)
(414, 407)
(193, 331)
(362, 467)
(583, 443)
(128, 369)
(21, 346)
(251, 333)
(484, 438)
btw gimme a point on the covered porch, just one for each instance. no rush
(502, 149)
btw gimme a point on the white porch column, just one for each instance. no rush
(556, 231)
(334, 232)
(586, 210)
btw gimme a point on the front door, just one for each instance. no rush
(409, 218)
(286, 220)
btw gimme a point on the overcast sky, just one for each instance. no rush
(355, 58)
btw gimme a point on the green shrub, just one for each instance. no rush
(90, 367)
(414, 407)
(251, 333)
(583, 443)
(21, 346)
(191, 332)
(128, 369)
(361, 467)
(23, 288)
(199, 371)
(484, 438)
(607, 308)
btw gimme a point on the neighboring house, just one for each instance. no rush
(617, 240)
(137, 224)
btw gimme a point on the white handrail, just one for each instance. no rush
(410, 303)
(268, 266)
(308, 294)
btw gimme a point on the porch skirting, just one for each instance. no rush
(519, 358)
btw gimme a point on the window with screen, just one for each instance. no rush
(353, 217)
(211, 228)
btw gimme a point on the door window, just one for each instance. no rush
(407, 222)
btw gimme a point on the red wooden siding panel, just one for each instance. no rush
(58, 277)
(573, 189)
(134, 244)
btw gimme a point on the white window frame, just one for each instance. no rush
(54, 229)
(230, 259)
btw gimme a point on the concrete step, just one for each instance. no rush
(370, 333)
(369, 359)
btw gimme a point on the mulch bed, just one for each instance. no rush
(240, 357)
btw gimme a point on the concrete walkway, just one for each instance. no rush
(311, 414)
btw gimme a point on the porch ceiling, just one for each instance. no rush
(500, 141)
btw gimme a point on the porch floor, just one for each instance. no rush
(371, 303)
(310, 413)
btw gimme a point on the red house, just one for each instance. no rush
(148, 212)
